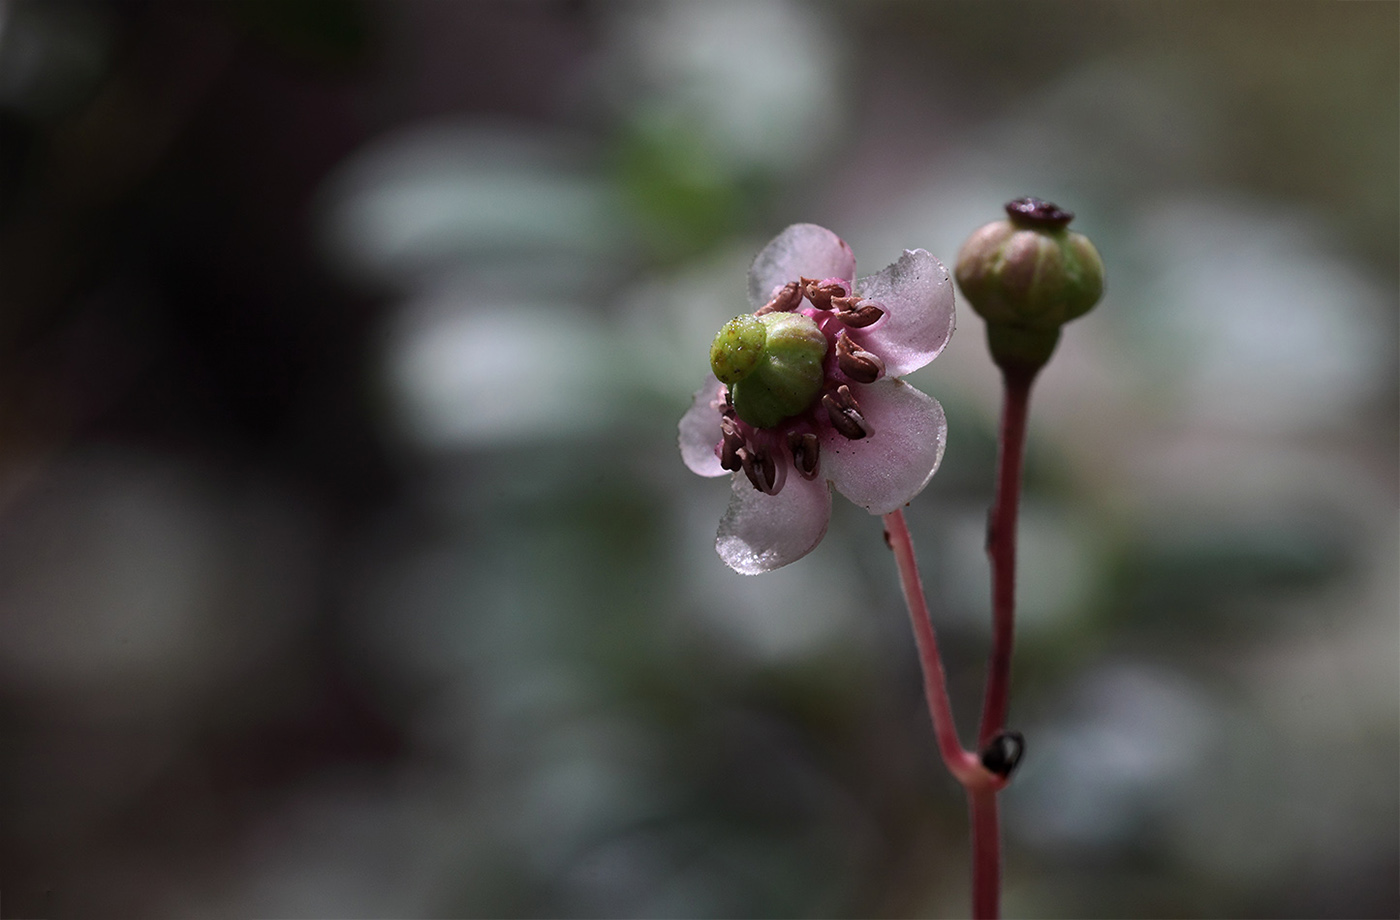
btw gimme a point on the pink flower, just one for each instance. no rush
(874, 437)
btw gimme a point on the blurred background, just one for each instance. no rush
(348, 567)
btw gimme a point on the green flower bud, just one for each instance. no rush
(1027, 276)
(772, 363)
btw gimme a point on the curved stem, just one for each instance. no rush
(961, 763)
(980, 785)
(1001, 548)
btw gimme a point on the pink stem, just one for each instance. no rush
(962, 764)
(980, 785)
(1001, 548)
(986, 853)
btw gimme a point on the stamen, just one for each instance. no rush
(857, 363)
(804, 453)
(856, 312)
(844, 412)
(761, 469)
(730, 446)
(821, 294)
(785, 301)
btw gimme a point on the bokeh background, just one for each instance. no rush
(348, 567)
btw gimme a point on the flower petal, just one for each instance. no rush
(918, 300)
(700, 429)
(802, 250)
(882, 472)
(760, 533)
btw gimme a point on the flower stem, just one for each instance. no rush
(986, 853)
(980, 784)
(1001, 548)
(961, 763)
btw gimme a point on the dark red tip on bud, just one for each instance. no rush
(1032, 212)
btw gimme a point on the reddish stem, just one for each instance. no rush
(962, 764)
(986, 853)
(980, 785)
(1001, 548)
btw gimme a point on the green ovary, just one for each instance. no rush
(738, 348)
(772, 363)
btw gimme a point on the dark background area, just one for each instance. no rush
(348, 568)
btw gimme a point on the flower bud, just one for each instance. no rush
(1027, 276)
(772, 363)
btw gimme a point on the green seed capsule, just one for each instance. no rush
(772, 363)
(1027, 276)
(1039, 278)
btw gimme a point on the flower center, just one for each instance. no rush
(790, 369)
(772, 363)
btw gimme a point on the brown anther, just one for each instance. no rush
(785, 301)
(844, 412)
(859, 314)
(770, 472)
(857, 363)
(804, 449)
(821, 294)
(730, 445)
(761, 469)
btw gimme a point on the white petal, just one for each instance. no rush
(699, 429)
(918, 299)
(882, 472)
(802, 250)
(760, 533)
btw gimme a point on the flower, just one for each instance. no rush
(788, 434)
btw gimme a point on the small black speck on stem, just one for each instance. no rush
(1003, 753)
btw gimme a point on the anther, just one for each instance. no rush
(785, 301)
(844, 412)
(761, 469)
(857, 363)
(804, 449)
(730, 445)
(821, 294)
(856, 312)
